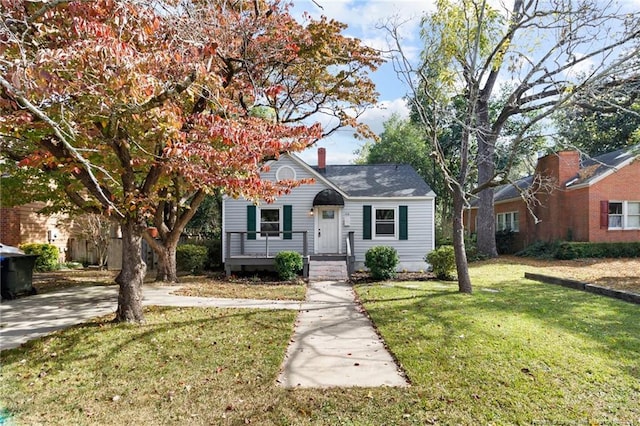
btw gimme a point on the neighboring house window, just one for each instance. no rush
(508, 221)
(615, 215)
(623, 215)
(633, 215)
(270, 222)
(385, 225)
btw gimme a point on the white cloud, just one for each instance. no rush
(375, 117)
(340, 149)
(365, 18)
(342, 144)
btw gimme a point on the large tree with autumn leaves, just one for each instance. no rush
(136, 110)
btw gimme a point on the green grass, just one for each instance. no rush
(514, 352)
(205, 287)
(182, 366)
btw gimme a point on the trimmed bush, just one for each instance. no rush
(214, 260)
(47, 256)
(568, 251)
(504, 241)
(540, 250)
(288, 264)
(443, 262)
(565, 250)
(382, 262)
(191, 258)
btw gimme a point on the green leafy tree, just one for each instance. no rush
(602, 121)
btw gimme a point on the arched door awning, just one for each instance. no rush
(328, 197)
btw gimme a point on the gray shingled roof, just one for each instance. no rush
(509, 191)
(377, 180)
(592, 168)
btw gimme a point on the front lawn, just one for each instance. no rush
(241, 288)
(184, 366)
(514, 352)
(214, 285)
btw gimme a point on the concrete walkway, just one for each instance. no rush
(34, 316)
(334, 344)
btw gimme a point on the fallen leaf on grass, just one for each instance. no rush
(528, 372)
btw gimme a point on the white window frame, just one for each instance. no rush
(510, 220)
(624, 216)
(259, 219)
(628, 214)
(285, 169)
(374, 233)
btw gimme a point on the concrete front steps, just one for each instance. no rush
(328, 270)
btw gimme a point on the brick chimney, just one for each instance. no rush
(558, 168)
(562, 166)
(322, 159)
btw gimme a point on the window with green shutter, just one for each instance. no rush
(251, 222)
(269, 222)
(366, 222)
(403, 223)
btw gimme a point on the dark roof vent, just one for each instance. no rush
(328, 197)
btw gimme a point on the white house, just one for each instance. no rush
(349, 209)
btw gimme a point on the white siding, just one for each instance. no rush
(411, 252)
(420, 231)
(301, 199)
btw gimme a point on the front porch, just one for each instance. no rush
(236, 254)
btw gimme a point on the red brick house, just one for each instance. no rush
(584, 199)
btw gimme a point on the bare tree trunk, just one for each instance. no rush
(462, 267)
(486, 228)
(131, 276)
(167, 267)
(165, 246)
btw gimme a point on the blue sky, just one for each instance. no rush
(364, 18)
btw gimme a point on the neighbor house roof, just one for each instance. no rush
(377, 180)
(591, 170)
(511, 190)
(594, 169)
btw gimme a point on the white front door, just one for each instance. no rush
(328, 233)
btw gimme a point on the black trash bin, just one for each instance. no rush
(16, 274)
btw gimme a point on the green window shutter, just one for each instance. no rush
(287, 219)
(404, 223)
(251, 222)
(366, 222)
